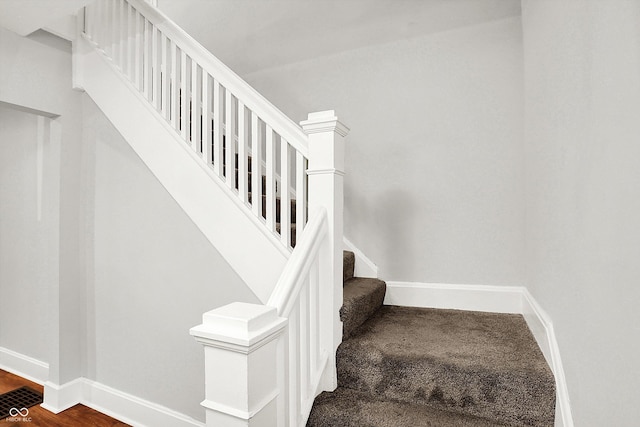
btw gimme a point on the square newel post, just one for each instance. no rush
(240, 350)
(326, 190)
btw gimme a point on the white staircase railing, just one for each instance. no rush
(264, 363)
(232, 128)
(279, 351)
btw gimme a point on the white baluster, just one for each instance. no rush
(87, 21)
(256, 166)
(175, 85)
(113, 28)
(230, 139)
(147, 60)
(285, 200)
(294, 360)
(122, 36)
(271, 179)
(283, 380)
(305, 346)
(314, 313)
(104, 25)
(301, 193)
(165, 78)
(242, 152)
(207, 152)
(156, 66)
(138, 51)
(195, 107)
(130, 41)
(218, 131)
(184, 97)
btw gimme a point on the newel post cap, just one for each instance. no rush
(239, 325)
(324, 121)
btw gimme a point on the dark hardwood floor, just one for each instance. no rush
(78, 415)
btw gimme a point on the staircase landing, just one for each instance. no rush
(406, 366)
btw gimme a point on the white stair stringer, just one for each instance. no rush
(245, 243)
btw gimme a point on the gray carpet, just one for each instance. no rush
(401, 366)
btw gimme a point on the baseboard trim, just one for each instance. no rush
(57, 398)
(24, 366)
(364, 267)
(115, 403)
(133, 410)
(496, 299)
(542, 328)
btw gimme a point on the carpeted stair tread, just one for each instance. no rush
(349, 408)
(349, 264)
(362, 297)
(482, 364)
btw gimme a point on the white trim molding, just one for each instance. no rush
(24, 366)
(542, 328)
(496, 299)
(115, 403)
(57, 398)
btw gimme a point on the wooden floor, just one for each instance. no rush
(78, 415)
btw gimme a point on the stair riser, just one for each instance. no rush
(349, 264)
(362, 298)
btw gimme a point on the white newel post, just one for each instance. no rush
(326, 189)
(240, 348)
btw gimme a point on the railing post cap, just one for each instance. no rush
(324, 121)
(239, 323)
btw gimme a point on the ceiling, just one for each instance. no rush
(251, 35)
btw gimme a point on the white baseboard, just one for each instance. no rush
(57, 398)
(115, 403)
(24, 366)
(364, 266)
(496, 299)
(133, 410)
(542, 328)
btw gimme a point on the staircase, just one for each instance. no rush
(402, 366)
(268, 194)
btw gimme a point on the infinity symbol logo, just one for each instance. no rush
(15, 412)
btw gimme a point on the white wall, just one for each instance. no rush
(36, 75)
(25, 276)
(582, 88)
(434, 157)
(154, 275)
